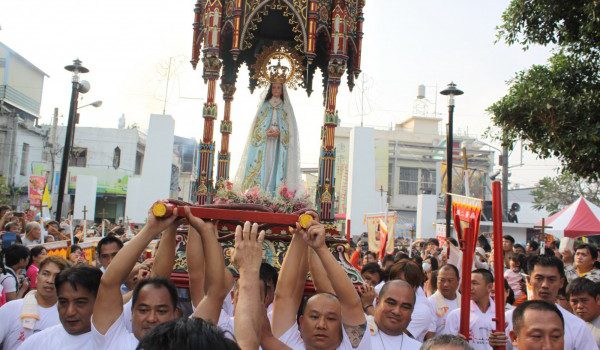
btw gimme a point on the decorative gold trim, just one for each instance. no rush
(278, 51)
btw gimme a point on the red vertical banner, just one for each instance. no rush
(466, 212)
(498, 257)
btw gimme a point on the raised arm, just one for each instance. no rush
(288, 294)
(109, 304)
(194, 252)
(352, 312)
(165, 255)
(216, 286)
(318, 273)
(247, 256)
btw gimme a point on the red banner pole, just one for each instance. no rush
(498, 257)
(465, 282)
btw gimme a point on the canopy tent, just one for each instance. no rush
(581, 218)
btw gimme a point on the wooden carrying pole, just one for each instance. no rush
(498, 258)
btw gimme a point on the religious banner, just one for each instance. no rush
(36, 190)
(373, 222)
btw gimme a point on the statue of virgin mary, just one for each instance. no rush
(271, 158)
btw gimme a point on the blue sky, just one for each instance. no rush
(127, 46)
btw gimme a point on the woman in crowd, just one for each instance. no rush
(16, 259)
(38, 253)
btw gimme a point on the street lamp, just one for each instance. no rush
(76, 88)
(94, 104)
(450, 91)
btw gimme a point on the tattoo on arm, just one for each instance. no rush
(355, 333)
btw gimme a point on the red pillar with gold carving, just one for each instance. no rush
(212, 69)
(226, 126)
(337, 66)
(237, 24)
(312, 31)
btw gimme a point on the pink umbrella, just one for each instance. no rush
(581, 218)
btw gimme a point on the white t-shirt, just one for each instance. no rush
(57, 338)
(12, 333)
(423, 317)
(594, 327)
(382, 341)
(9, 281)
(441, 308)
(481, 325)
(293, 339)
(127, 315)
(117, 337)
(577, 334)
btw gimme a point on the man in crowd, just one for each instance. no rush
(154, 300)
(446, 298)
(508, 243)
(482, 313)
(423, 323)
(446, 342)
(33, 234)
(21, 318)
(107, 249)
(76, 288)
(54, 230)
(393, 311)
(585, 302)
(538, 325)
(532, 248)
(328, 321)
(585, 256)
(546, 278)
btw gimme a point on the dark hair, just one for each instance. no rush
(539, 305)
(270, 93)
(156, 282)
(434, 263)
(401, 256)
(593, 251)
(520, 258)
(186, 334)
(582, 285)
(453, 268)
(519, 245)
(36, 251)
(388, 258)
(509, 238)
(4, 208)
(84, 276)
(108, 240)
(51, 222)
(510, 299)
(56, 260)
(268, 273)
(9, 225)
(445, 339)
(485, 244)
(434, 241)
(13, 254)
(372, 268)
(487, 275)
(373, 254)
(534, 245)
(546, 261)
(74, 248)
(453, 241)
(411, 271)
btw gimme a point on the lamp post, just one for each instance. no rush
(450, 91)
(76, 88)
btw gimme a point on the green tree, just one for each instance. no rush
(554, 193)
(5, 196)
(554, 107)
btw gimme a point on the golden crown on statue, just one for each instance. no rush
(278, 64)
(278, 73)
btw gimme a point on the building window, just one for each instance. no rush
(427, 181)
(78, 157)
(139, 161)
(24, 159)
(117, 157)
(414, 181)
(409, 181)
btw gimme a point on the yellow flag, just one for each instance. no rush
(46, 199)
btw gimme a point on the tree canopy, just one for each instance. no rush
(554, 107)
(554, 193)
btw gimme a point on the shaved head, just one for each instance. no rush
(398, 284)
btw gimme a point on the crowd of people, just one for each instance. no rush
(409, 299)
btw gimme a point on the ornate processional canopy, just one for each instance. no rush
(314, 33)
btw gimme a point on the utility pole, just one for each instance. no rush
(505, 180)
